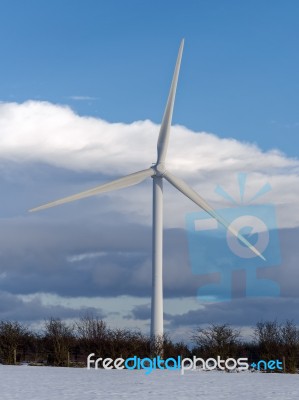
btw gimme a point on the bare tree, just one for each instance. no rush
(58, 337)
(290, 345)
(216, 340)
(171, 349)
(267, 336)
(12, 338)
(138, 344)
(92, 333)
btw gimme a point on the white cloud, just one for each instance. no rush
(86, 256)
(53, 134)
(78, 250)
(82, 98)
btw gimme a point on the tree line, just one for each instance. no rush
(61, 344)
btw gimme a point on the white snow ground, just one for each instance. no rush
(45, 383)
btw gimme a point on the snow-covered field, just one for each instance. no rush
(45, 383)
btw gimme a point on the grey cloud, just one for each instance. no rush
(241, 312)
(141, 312)
(36, 254)
(14, 308)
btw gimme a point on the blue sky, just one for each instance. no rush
(239, 74)
(82, 92)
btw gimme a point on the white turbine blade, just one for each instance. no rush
(121, 183)
(166, 122)
(197, 199)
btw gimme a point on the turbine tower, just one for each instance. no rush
(158, 172)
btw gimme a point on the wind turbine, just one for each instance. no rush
(158, 172)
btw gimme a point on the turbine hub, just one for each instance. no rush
(160, 169)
